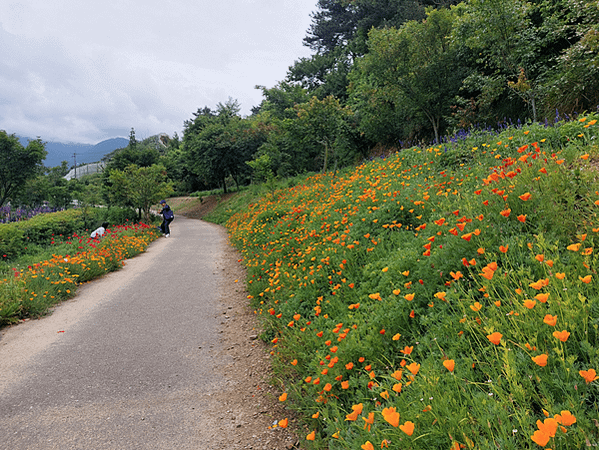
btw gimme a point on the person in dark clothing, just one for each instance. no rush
(168, 216)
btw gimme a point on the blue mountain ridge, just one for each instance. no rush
(85, 153)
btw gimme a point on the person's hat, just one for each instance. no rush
(162, 201)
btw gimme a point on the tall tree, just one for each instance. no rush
(414, 69)
(140, 187)
(18, 164)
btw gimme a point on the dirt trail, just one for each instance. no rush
(162, 354)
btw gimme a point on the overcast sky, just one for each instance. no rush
(84, 71)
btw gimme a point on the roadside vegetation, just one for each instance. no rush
(441, 297)
(44, 259)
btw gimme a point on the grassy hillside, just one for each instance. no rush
(441, 298)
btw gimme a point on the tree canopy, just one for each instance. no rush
(18, 164)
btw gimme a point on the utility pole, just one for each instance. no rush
(75, 159)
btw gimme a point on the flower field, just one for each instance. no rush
(30, 290)
(440, 298)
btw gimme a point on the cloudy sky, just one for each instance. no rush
(84, 71)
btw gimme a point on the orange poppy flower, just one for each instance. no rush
(586, 279)
(560, 275)
(548, 426)
(495, 337)
(588, 375)
(396, 337)
(524, 197)
(409, 297)
(542, 297)
(357, 410)
(476, 307)
(574, 247)
(541, 438)
(407, 350)
(540, 360)
(503, 249)
(311, 436)
(413, 368)
(283, 423)
(397, 375)
(550, 320)
(530, 304)
(397, 387)
(561, 335)
(522, 218)
(505, 212)
(368, 445)
(345, 384)
(449, 364)
(283, 397)
(407, 428)
(391, 415)
(566, 418)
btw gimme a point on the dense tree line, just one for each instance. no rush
(382, 72)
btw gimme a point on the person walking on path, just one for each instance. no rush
(168, 215)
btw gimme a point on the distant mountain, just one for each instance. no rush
(85, 153)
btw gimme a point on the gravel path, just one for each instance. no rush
(143, 358)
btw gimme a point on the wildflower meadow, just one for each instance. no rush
(438, 298)
(29, 289)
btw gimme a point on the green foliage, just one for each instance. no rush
(139, 187)
(18, 164)
(12, 242)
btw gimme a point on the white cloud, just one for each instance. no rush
(77, 70)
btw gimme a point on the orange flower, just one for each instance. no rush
(368, 421)
(476, 307)
(407, 428)
(397, 375)
(586, 279)
(375, 296)
(368, 445)
(283, 423)
(541, 438)
(574, 247)
(548, 426)
(506, 212)
(283, 397)
(349, 366)
(456, 275)
(539, 284)
(311, 436)
(550, 320)
(396, 337)
(357, 410)
(542, 297)
(561, 335)
(540, 360)
(566, 418)
(524, 197)
(449, 364)
(407, 350)
(560, 275)
(467, 236)
(391, 415)
(413, 368)
(530, 304)
(397, 387)
(522, 218)
(316, 415)
(495, 338)
(409, 297)
(503, 249)
(345, 384)
(588, 375)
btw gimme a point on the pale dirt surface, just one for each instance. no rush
(155, 356)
